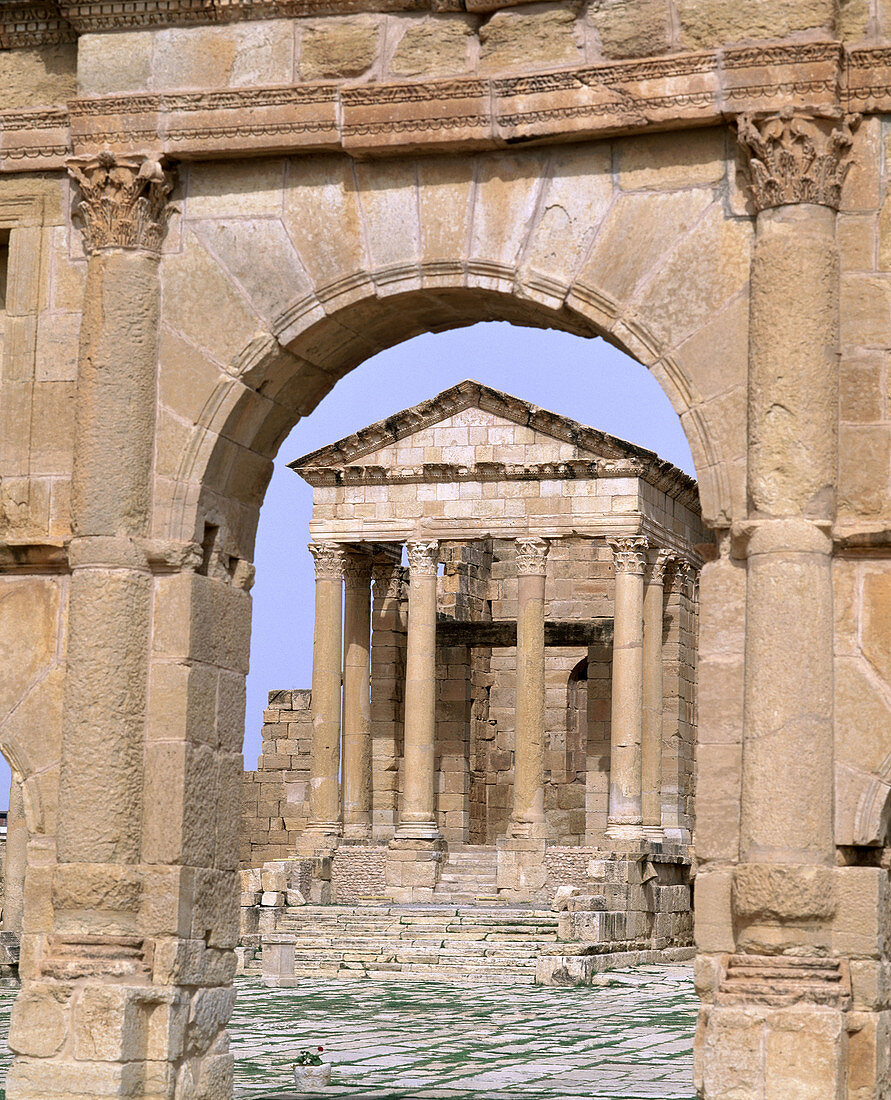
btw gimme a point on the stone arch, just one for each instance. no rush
(532, 238)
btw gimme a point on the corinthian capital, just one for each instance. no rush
(423, 558)
(357, 570)
(532, 556)
(795, 158)
(659, 565)
(123, 201)
(330, 560)
(629, 554)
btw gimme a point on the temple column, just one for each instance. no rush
(653, 703)
(785, 902)
(528, 816)
(357, 697)
(327, 654)
(417, 820)
(15, 859)
(625, 818)
(387, 687)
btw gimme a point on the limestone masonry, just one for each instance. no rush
(209, 213)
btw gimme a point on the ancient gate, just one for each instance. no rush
(208, 214)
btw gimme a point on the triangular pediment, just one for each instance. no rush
(467, 424)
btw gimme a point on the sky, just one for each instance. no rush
(588, 380)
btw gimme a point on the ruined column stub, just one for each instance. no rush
(124, 200)
(796, 158)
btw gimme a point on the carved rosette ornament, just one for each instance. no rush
(660, 565)
(123, 201)
(629, 554)
(797, 158)
(532, 556)
(330, 560)
(423, 558)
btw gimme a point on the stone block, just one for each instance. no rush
(338, 46)
(512, 39)
(631, 28)
(433, 47)
(706, 23)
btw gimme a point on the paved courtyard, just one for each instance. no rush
(627, 1039)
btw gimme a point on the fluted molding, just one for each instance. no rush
(532, 556)
(123, 201)
(796, 158)
(330, 560)
(629, 554)
(423, 558)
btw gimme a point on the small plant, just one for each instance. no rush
(308, 1058)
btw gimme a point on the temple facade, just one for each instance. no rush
(504, 666)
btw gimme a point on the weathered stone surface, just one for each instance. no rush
(338, 47)
(38, 77)
(437, 47)
(706, 23)
(628, 28)
(514, 38)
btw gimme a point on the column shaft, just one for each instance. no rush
(417, 820)
(327, 655)
(787, 810)
(651, 731)
(626, 717)
(15, 860)
(357, 699)
(528, 816)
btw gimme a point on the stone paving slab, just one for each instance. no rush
(629, 1037)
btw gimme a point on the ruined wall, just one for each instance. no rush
(275, 797)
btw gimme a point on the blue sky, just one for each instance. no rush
(586, 379)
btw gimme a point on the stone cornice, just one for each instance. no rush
(658, 473)
(693, 89)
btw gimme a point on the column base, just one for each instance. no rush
(357, 831)
(620, 831)
(529, 830)
(413, 867)
(652, 832)
(417, 830)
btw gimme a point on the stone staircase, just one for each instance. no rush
(468, 876)
(449, 942)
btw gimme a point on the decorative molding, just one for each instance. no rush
(357, 569)
(684, 578)
(587, 103)
(796, 158)
(659, 566)
(531, 556)
(330, 560)
(423, 558)
(123, 201)
(388, 578)
(629, 554)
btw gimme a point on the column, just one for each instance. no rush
(387, 687)
(417, 821)
(95, 926)
(782, 896)
(327, 654)
(15, 860)
(357, 697)
(625, 819)
(528, 816)
(651, 731)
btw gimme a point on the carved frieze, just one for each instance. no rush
(423, 558)
(629, 554)
(123, 201)
(796, 158)
(330, 560)
(532, 556)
